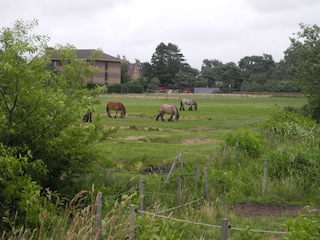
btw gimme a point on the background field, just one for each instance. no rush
(141, 141)
(141, 144)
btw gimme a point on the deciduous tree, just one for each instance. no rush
(306, 48)
(43, 140)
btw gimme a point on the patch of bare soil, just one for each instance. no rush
(269, 210)
(196, 140)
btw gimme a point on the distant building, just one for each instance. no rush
(109, 67)
(134, 70)
(207, 90)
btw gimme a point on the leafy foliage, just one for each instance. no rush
(18, 191)
(40, 113)
(305, 49)
(305, 226)
(290, 125)
(298, 163)
(246, 141)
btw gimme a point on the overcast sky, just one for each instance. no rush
(226, 30)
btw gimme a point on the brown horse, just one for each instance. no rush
(116, 106)
(87, 117)
(169, 109)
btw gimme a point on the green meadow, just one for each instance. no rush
(140, 141)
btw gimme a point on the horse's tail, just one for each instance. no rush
(181, 103)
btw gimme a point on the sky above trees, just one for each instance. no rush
(206, 29)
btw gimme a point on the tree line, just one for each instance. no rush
(169, 68)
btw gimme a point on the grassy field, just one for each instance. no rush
(141, 141)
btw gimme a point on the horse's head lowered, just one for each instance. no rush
(177, 116)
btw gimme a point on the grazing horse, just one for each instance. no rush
(87, 117)
(169, 109)
(116, 106)
(189, 102)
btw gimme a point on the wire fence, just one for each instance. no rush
(190, 189)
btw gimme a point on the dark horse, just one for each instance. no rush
(189, 102)
(87, 117)
(116, 106)
(169, 109)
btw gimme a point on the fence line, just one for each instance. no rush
(209, 225)
(224, 228)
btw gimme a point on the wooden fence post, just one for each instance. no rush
(206, 190)
(132, 226)
(224, 229)
(141, 196)
(172, 167)
(181, 160)
(179, 192)
(98, 214)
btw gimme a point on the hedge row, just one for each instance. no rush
(120, 88)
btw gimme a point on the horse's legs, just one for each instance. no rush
(162, 114)
(116, 114)
(190, 108)
(108, 114)
(182, 107)
(159, 114)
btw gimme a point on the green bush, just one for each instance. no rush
(300, 163)
(245, 141)
(91, 85)
(125, 88)
(305, 226)
(290, 125)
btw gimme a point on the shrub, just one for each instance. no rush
(125, 88)
(305, 226)
(299, 163)
(290, 125)
(245, 141)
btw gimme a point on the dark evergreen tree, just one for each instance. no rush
(166, 63)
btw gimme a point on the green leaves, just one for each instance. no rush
(43, 140)
(246, 141)
(306, 50)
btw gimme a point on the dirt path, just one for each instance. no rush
(255, 210)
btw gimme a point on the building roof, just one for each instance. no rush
(85, 54)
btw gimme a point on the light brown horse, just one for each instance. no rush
(189, 102)
(169, 109)
(116, 106)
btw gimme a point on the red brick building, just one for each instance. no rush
(109, 67)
